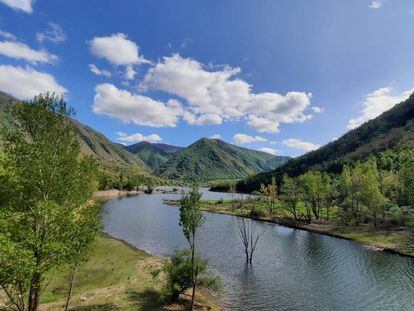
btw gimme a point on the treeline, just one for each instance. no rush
(128, 178)
(378, 191)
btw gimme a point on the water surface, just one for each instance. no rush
(292, 269)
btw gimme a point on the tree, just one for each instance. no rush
(407, 183)
(290, 194)
(85, 230)
(269, 192)
(178, 272)
(315, 187)
(248, 236)
(371, 195)
(191, 219)
(44, 182)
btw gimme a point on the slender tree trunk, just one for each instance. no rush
(72, 280)
(34, 293)
(193, 272)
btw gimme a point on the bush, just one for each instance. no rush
(178, 274)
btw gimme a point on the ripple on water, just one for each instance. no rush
(292, 269)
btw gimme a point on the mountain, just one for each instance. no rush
(213, 159)
(391, 130)
(153, 155)
(108, 154)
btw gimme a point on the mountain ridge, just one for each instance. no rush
(212, 159)
(393, 129)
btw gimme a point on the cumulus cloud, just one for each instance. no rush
(247, 139)
(129, 73)
(137, 137)
(135, 108)
(20, 50)
(268, 150)
(376, 103)
(375, 4)
(216, 136)
(25, 83)
(20, 5)
(204, 119)
(117, 49)
(300, 144)
(54, 34)
(7, 35)
(220, 95)
(99, 72)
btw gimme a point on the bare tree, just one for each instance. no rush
(247, 233)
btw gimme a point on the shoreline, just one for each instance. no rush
(327, 230)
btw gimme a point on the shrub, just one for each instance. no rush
(178, 274)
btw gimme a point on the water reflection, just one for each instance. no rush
(292, 269)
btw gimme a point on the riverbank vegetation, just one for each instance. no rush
(370, 201)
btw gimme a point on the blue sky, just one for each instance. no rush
(283, 75)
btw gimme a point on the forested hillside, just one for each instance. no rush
(153, 155)
(390, 131)
(213, 159)
(115, 162)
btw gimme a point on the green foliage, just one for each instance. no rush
(45, 183)
(153, 155)
(392, 130)
(290, 195)
(178, 273)
(191, 217)
(212, 159)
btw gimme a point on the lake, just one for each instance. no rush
(292, 269)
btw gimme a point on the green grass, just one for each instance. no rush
(111, 262)
(116, 277)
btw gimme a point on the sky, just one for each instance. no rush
(284, 77)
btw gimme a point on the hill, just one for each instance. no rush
(153, 155)
(390, 131)
(109, 155)
(213, 159)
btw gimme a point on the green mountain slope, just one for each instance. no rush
(108, 154)
(153, 155)
(213, 159)
(391, 130)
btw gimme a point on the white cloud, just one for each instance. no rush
(268, 150)
(300, 144)
(376, 103)
(137, 137)
(247, 139)
(7, 35)
(222, 94)
(99, 72)
(376, 4)
(138, 109)
(20, 50)
(117, 49)
(317, 109)
(20, 5)
(55, 34)
(216, 136)
(129, 73)
(25, 83)
(204, 119)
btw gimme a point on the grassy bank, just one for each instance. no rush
(116, 277)
(395, 240)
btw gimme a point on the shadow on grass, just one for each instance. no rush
(147, 300)
(101, 307)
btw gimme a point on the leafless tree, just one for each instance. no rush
(247, 233)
